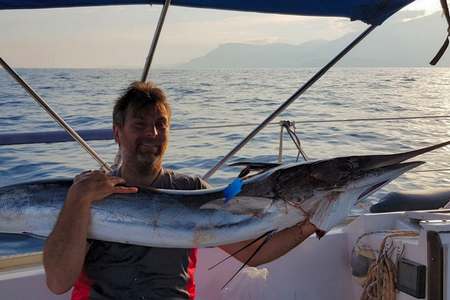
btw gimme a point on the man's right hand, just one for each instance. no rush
(93, 186)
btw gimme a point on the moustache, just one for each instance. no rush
(148, 142)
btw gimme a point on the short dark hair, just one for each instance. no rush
(137, 96)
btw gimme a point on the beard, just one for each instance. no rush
(144, 155)
(148, 155)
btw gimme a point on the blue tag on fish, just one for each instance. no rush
(232, 189)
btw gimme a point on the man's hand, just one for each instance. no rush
(93, 186)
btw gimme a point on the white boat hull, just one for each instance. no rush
(316, 270)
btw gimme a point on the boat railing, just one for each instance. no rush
(49, 137)
(20, 138)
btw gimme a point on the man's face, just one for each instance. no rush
(144, 136)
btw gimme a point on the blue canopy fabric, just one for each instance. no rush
(369, 11)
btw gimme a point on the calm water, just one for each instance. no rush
(224, 97)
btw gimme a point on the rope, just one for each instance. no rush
(291, 130)
(380, 283)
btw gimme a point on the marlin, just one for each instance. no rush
(322, 191)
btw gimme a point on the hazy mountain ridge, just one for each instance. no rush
(393, 44)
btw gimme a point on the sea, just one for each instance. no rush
(350, 111)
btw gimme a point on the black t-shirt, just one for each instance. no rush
(121, 271)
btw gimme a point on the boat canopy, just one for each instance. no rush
(373, 12)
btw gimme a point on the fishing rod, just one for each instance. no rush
(55, 116)
(289, 101)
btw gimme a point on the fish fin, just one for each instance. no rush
(36, 236)
(249, 167)
(320, 233)
(267, 237)
(245, 171)
(239, 250)
(241, 205)
(214, 204)
(255, 166)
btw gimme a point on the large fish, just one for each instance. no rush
(323, 191)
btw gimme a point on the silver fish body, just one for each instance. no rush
(323, 191)
(160, 218)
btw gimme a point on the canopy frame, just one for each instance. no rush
(152, 50)
(55, 116)
(372, 12)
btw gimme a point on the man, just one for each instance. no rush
(106, 270)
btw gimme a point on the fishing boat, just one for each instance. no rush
(410, 246)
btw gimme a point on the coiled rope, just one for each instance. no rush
(381, 280)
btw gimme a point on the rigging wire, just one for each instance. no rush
(430, 170)
(289, 101)
(435, 117)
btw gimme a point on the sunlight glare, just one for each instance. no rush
(429, 6)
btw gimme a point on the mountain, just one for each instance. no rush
(394, 44)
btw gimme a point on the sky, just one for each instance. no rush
(120, 36)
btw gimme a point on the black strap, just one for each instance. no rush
(441, 52)
(444, 47)
(445, 11)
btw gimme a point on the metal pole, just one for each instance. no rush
(54, 115)
(297, 94)
(280, 146)
(155, 41)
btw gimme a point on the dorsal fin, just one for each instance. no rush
(251, 166)
(254, 165)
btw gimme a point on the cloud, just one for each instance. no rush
(425, 5)
(102, 36)
(247, 27)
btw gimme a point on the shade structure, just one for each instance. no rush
(369, 11)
